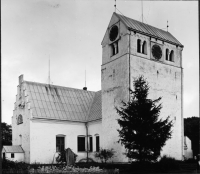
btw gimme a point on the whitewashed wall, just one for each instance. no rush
(17, 157)
(165, 80)
(94, 129)
(43, 139)
(114, 84)
(24, 128)
(166, 86)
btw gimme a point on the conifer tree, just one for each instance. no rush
(141, 131)
(6, 133)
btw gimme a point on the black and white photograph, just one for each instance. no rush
(100, 86)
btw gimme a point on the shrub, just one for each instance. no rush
(167, 163)
(8, 164)
(190, 160)
(66, 169)
(84, 160)
(105, 154)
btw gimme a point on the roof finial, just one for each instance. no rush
(85, 88)
(167, 26)
(115, 6)
(49, 81)
(142, 10)
(85, 77)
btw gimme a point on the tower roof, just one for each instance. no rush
(148, 30)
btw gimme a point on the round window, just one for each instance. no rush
(113, 33)
(156, 52)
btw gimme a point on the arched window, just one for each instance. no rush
(114, 48)
(167, 54)
(60, 143)
(20, 119)
(138, 46)
(144, 47)
(171, 56)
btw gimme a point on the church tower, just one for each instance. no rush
(130, 49)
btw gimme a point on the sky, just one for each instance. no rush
(69, 34)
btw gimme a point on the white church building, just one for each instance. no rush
(49, 118)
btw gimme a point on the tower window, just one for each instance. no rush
(114, 48)
(144, 47)
(171, 56)
(167, 54)
(20, 119)
(138, 46)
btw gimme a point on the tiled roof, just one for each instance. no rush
(96, 111)
(148, 30)
(62, 103)
(13, 149)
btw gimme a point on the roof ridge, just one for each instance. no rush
(57, 86)
(143, 23)
(148, 30)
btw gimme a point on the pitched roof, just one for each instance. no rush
(63, 103)
(148, 30)
(13, 149)
(95, 110)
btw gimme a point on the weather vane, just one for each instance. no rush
(142, 11)
(115, 6)
(167, 26)
(49, 80)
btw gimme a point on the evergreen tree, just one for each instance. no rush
(141, 131)
(6, 133)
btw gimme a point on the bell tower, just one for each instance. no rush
(130, 49)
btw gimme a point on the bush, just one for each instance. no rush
(190, 160)
(84, 160)
(168, 163)
(14, 167)
(105, 154)
(8, 164)
(66, 169)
